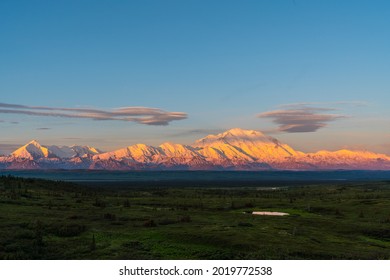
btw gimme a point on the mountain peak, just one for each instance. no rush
(234, 149)
(32, 150)
(33, 142)
(242, 132)
(234, 135)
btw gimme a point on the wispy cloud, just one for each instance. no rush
(142, 115)
(12, 122)
(191, 132)
(355, 103)
(72, 138)
(301, 118)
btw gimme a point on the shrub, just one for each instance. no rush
(185, 219)
(99, 203)
(93, 243)
(386, 220)
(249, 205)
(242, 224)
(149, 223)
(70, 230)
(165, 222)
(126, 203)
(109, 216)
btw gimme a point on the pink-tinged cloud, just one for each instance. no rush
(142, 115)
(355, 103)
(301, 119)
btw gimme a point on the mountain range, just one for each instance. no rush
(235, 149)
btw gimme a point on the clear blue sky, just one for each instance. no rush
(219, 63)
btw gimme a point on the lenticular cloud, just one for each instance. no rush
(142, 115)
(301, 119)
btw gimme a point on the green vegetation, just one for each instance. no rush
(56, 220)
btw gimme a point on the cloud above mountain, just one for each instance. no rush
(190, 132)
(356, 103)
(141, 115)
(301, 118)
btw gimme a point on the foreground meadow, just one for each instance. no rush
(56, 220)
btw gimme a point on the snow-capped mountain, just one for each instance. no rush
(32, 150)
(235, 149)
(346, 159)
(35, 151)
(239, 146)
(65, 152)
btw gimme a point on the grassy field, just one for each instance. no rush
(56, 220)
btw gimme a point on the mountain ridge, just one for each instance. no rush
(234, 149)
